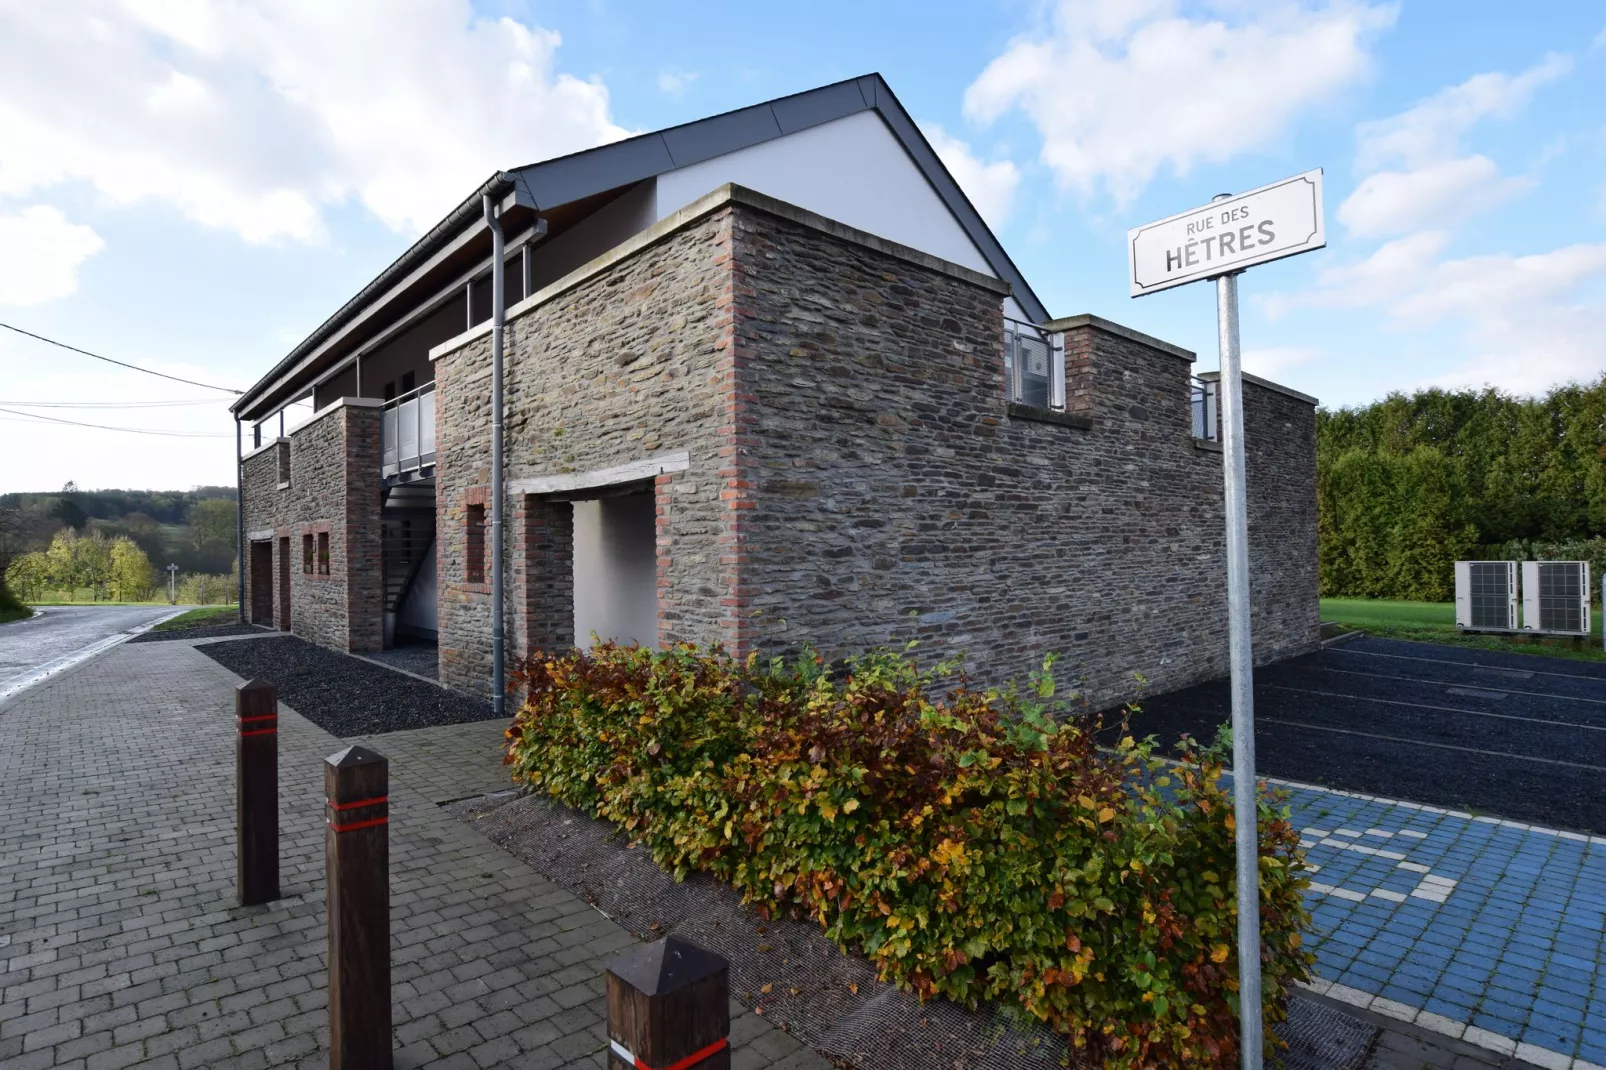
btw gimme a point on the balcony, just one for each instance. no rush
(407, 436)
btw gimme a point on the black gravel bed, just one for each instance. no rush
(1425, 740)
(345, 696)
(199, 631)
(1403, 649)
(801, 982)
(1514, 699)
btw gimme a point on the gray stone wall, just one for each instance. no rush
(335, 489)
(632, 361)
(856, 477)
(897, 499)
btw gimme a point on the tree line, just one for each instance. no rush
(1410, 484)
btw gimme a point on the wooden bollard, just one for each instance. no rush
(669, 1006)
(256, 792)
(356, 785)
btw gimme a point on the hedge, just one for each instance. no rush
(974, 845)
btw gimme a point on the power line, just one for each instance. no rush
(105, 427)
(111, 404)
(119, 363)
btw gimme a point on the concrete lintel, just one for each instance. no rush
(338, 403)
(1087, 319)
(259, 535)
(729, 193)
(1213, 376)
(630, 472)
(264, 448)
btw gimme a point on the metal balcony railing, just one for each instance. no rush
(407, 432)
(1204, 409)
(1034, 365)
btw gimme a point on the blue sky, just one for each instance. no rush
(196, 185)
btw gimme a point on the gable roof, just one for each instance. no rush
(591, 173)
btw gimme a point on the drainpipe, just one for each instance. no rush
(498, 315)
(239, 515)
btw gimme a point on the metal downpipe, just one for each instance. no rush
(239, 516)
(498, 318)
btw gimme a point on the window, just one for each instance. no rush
(323, 553)
(409, 380)
(390, 390)
(284, 462)
(474, 553)
(306, 554)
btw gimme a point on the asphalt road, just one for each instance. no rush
(57, 634)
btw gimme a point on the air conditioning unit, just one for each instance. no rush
(1486, 596)
(1555, 597)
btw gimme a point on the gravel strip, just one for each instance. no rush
(199, 631)
(345, 696)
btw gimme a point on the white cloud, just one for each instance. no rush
(674, 82)
(1432, 130)
(1439, 193)
(1527, 322)
(255, 119)
(1270, 362)
(1120, 88)
(989, 185)
(40, 253)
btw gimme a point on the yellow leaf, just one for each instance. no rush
(850, 806)
(1087, 802)
(1219, 953)
(766, 989)
(1105, 814)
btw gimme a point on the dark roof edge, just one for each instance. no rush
(648, 155)
(470, 209)
(886, 103)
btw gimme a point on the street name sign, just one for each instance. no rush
(1217, 242)
(1269, 223)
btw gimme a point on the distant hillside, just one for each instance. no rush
(194, 529)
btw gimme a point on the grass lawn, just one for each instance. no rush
(199, 616)
(1434, 622)
(16, 613)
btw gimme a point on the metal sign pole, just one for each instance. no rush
(1240, 655)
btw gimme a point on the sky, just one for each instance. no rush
(194, 185)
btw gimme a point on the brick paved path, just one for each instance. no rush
(120, 944)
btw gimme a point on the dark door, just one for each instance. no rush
(284, 584)
(262, 582)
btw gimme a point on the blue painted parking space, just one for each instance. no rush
(1483, 929)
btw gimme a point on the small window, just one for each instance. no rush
(474, 555)
(284, 461)
(306, 554)
(408, 381)
(323, 553)
(390, 390)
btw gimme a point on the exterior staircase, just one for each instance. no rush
(407, 538)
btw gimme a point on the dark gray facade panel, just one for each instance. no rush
(570, 178)
(818, 106)
(696, 142)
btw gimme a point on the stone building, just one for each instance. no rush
(769, 380)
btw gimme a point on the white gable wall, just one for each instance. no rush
(851, 170)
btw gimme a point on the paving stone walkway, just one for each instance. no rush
(1479, 929)
(120, 944)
